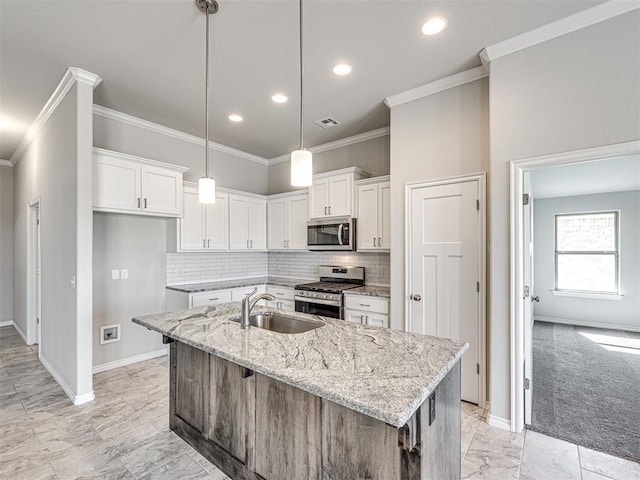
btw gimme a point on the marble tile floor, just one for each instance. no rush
(124, 433)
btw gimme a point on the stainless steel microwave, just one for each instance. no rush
(332, 234)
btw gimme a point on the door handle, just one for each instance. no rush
(416, 297)
(535, 299)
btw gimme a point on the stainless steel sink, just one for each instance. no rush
(277, 322)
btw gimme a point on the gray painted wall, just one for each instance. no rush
(138, 244)
(622, 313)
(49, 169)
(6, 244)
(439, 136)
(574, 92)
(372, 156)
(229, 171)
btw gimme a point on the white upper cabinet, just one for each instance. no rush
(203, 227)
(247, 223)
(287, 222)
(332, 193)
(374, 216)
(127, 184)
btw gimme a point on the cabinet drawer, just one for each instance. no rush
(210, 298)
(367, 303)
(281, 293)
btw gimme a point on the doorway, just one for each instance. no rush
(525, 294)
(34, 275)
(445, 270)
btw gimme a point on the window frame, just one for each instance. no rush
(615, 253)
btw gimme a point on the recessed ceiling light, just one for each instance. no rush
(235, 117)
(434, 25)
(279, 98)
(342, 69)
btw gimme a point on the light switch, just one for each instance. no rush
(124, 274)
(115, 274)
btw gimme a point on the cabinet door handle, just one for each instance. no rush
(138, 200)
(361, 318)
(247, 243)
(374, 241)
(366, 319)
(379, 241)
(203, 244)
(364, 305)
(329, 209)
(213, 299)
(208, 243)
(145, 203)
(416, 297)
(251, 243)
(325, 210)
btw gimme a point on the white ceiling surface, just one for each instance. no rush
(150, 54)
(602, 176)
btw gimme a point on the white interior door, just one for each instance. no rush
(445, 270)
(527, 295)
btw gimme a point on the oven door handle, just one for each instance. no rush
(319, 301)
(340, 230)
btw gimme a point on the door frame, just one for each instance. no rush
(34, 282)
(516, 323)
(481, 178)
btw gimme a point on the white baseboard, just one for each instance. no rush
(20, 331)
(580, 323)
(499, 422)
(6, 323)
(103, 367)
(76, 399)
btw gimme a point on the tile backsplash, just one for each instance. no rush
(208, 267)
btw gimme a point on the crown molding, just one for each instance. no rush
(5, 163)
(72, 76)
(170, 132)
(437, 86)
(556, 29)
(343, 142)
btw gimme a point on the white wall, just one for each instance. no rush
(6, 244)
(439, 136)
(587, 311)
(372, 156)
(137, 244)
(574, 92)
(56, 168)
(228, 170)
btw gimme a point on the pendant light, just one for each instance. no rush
(301, 159)
(207, 185)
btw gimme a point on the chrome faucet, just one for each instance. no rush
(248, 304)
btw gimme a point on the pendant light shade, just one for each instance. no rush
(206, 185)
(207, 190)
(301, 159)
(301, 168)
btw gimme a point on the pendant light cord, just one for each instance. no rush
(206, 95)
(301, 88)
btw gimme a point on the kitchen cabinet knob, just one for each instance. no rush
(416, 297)
(535, 299)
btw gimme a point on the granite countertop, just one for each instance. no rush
(243, 282)
(370, 290)
(385, 374)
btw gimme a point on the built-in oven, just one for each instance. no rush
(307, 302)
(331, 234)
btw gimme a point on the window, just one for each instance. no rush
(587, 252)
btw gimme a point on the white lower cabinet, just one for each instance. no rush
(214, 297)
(284, 298)
(367, 310)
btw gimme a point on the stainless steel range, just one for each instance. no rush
(325, 297)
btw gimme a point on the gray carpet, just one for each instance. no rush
(585, 390)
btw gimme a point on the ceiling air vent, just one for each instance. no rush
(327, 122)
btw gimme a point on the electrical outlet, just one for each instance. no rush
(115, 274)
(124, 274)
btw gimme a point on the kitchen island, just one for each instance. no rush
(342, 401)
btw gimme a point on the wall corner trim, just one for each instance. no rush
(76, 399)
(560, 27)
(70, 77)
(437, 86)
(499, 422)
(173, 133)
(343, 142)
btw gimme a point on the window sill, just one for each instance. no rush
(595, 296)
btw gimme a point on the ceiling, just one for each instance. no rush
(601, 176)
(150, 54)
